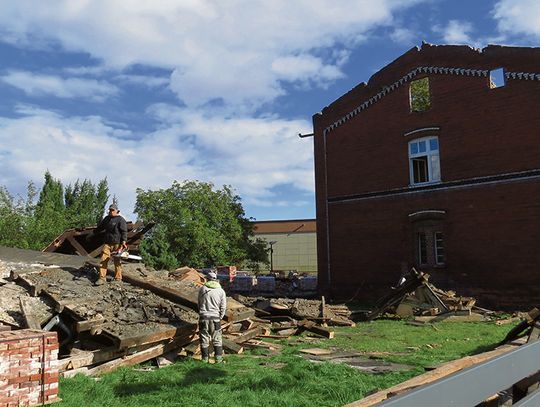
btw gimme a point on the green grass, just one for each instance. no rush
(287, 379)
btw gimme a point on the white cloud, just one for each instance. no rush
(518, 17)
(457, 32)
(402, 35)
(252, 155)
(304, 68)
(143, 80)
(218, 50)
(46, 85)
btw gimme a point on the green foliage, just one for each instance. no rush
(156, 251)
(29, 225)
(13, 220)
(202, 226)
(420, 99)
(286, 379)
(48, 220)
(85, 202)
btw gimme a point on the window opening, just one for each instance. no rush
(419, 95)
(439, 248)
(422, 248)
(424, 161)
(496, 78)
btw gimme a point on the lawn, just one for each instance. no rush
(285, 379)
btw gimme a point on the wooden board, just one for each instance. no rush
(317, 351)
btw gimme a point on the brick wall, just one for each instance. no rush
(362, 181)
(28, 368)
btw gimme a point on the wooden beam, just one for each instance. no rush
(29, 318)
(185, 331)
(77, 246)
(187, 296)
(249, 334)
(313, 327)
(130, 360)
(232, 347)
(56, 243)
(88, 324)
(96, 252)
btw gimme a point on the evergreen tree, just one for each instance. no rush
(49, 219)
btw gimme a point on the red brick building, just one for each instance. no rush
(434, 163)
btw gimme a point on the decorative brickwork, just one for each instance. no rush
(28, 368)
(426, 70)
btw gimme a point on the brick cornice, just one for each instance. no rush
(419, 71)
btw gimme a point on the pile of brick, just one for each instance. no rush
(28, 367)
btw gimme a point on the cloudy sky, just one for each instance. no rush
(145, 93)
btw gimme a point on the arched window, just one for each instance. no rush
(424, 167)
(428, 238)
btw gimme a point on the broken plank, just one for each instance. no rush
(254, 343)
(317, 351)
(249, 334)
(77, 246)
(29, 318)
(239, 314)
(232, 347)
(186, 331)
(134, 359)
(452, 316)
(313, 327)
(89, 324)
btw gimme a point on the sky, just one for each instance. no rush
(145, 93)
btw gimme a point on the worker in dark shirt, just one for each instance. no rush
(115, 241)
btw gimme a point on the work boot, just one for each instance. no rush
(218, 351)
(205, 355)
(100, 281)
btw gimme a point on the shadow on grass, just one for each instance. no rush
(205, 375)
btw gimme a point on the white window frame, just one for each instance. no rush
(433, 160)
(440, 257)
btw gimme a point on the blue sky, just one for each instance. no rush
(145, 93)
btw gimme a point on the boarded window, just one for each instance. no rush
(419, 95)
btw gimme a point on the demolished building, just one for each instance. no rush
(434, 164)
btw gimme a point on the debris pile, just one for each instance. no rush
(415, 296)
(150, 314)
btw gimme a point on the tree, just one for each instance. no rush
(85, 202)
(201, 226)
(13, 220)
(48, 220)
(26, 225)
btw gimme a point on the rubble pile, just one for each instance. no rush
(415, 296)
(148, 315)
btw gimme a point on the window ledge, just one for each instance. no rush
(424, 184)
